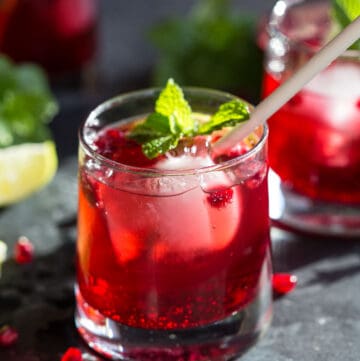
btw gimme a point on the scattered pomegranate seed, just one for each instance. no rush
(284, 283)
(72, 354)
(24, 251)
(8, 336)
(220, 198)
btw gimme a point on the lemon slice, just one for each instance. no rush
(25, 168)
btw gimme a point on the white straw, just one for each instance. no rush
(289, 88)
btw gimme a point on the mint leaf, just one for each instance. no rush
(228, 115)
(344, 12)
(160, 145)
(172, 120)
(155, 126)
(172, 104)
(26, 104)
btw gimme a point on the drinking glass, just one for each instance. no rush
(59, 35)
(314, 141)
(171, 264)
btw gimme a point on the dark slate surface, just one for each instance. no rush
(319, 321)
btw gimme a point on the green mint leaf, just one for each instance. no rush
(155, 126)
(25, 115)
(31, 78)
(344, 12)
(228, 115)
(160, 145)
(172, 104)
(26, 104)
(172, 120)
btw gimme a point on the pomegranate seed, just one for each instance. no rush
(284, 283)
(113, 144)
(8, 336)
(220, 198)
(72, 354)
(24, 251)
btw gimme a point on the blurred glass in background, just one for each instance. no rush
(59, 35)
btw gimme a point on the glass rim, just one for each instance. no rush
(117, 166)
(273, 27)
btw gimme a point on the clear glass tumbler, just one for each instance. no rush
(314, 141)
(171, 264)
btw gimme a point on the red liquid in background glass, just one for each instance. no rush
(169, 262)
(314, 140)
(57, 34)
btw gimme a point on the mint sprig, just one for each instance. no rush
(344, 12)
(26, 104)
(173, 120)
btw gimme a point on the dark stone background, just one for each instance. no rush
(319, 321)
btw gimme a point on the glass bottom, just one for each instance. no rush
(219, 341)
(292, 211)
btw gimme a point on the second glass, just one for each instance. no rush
(172, 264)
(314, 142)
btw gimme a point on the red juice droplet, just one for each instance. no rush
(72, 354)
(8, 336)
(284, 283)
(24, 251)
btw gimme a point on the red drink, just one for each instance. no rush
(171, 245)
(315, 138)
(172, 261)
(57, 34)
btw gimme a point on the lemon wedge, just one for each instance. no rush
(25, 168)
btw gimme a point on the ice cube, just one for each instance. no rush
(183, 225)
(197, 147)
(339, 88)
(184, 162)
(191, 153)
(341, 80)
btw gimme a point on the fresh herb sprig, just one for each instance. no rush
(173, 120)
(26, 104)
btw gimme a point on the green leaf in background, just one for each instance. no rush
(26, 104)
(214, 46)
(344, 12)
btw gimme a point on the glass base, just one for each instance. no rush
(218, 341)
(292, 211)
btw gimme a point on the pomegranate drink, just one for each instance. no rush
(314, 141)
(173, 243)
